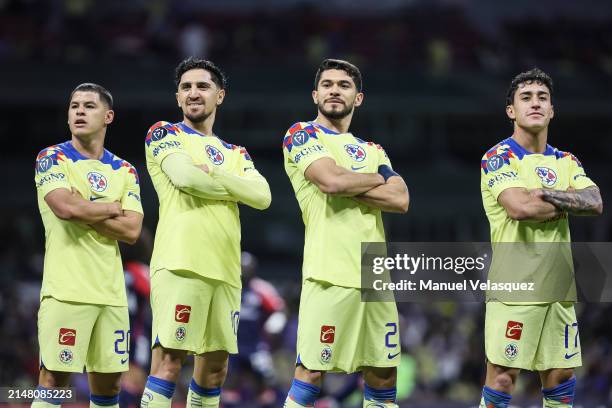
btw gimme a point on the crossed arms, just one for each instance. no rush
(543, 204)
(108, 219)
(367, 188)
(201, 181)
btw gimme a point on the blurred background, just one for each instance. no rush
(435, 77)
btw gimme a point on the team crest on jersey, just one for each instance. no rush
(66, 356)
(300, 138)
(97, 181)
(214, 154)
(495, 162)
(180, 333)
(514, 330)
(355, 151)
(328, 334)
(67, 337)
(326, 354)
(547, 176)
(182, 313)
(158, 134)
(43, 164)
(511, 351)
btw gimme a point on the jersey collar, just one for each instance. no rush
(521, 151)
(324, 129)
(73, 154)
(191, 131)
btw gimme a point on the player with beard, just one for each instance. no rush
(195, 267)
(342, 185)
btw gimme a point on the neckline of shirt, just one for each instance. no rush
(326, 130)
(193, 131)
(107, 157)
(550, 151)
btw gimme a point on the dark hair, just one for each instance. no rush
(533, 75)
(350, 69)
(105, 96)
(190, 63)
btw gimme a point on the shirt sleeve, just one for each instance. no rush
(185, 176)
(499, 171)
(131, 197)
(163, 139)
(51, 171)
(302, 146)
(249, 186)
(383, 159)
(578, 177)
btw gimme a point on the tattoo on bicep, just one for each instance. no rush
(578, 202)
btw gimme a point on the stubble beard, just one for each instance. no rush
(335, 114)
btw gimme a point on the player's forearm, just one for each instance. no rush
(390, 197)
(184, 175)
(120, 228)
(252, 189)
(348, 184)
(577, 202)
(80, 210)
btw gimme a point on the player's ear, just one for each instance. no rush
(178, 102)
(359, 99)
(314, 96)
(510, 112)
(552, 111)
(220, 96)
(109, 116)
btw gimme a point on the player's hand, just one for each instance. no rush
(115, 209)
(203, 167)
(76, 192)
(537, 193)
(571, 190)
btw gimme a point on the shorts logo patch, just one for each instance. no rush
(356, 152)
(326, 354)
(214, 154)
(511, 351)
(180, 333)
(146, 398)
(547, 176)
(300, 137)
(158, 134)
(66, 356)
(67, 337)
(97, 181)
(328, 333)
(514, 330)
(182, 313)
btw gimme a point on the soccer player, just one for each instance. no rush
(195, 267)
(528, 190)
(88, 199)
(342, 184)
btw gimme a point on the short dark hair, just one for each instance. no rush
(190, 63)
(346, 66)
(533, 75)
(105, 96)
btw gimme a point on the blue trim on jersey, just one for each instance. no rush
(157, 340)
(520, 151)
(107, 157)
(379, 394)
(104, 400)
(299, 360)
(303, 393)
(204, 392)
(323, 128)
(497, 399)
(563, 393)
(54, 401)
(163, 387)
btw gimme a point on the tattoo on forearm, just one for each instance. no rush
(579, 202)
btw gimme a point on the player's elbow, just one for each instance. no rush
(131, 235)
(63, 211)
(403, 204)
(517, 213)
